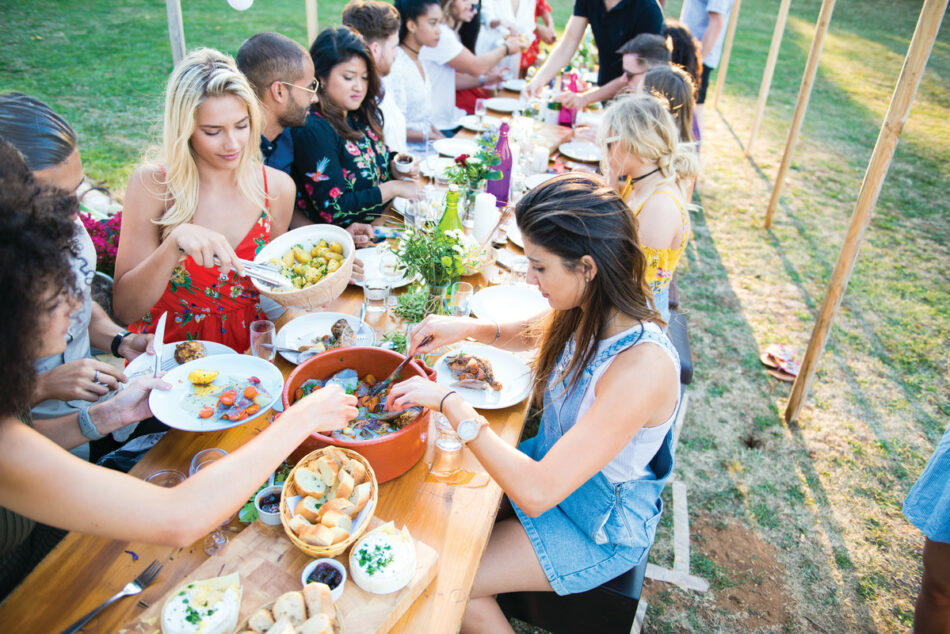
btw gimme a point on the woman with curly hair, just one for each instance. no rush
(40, 481)
(209, 196)
(586, 489)
(342, 166)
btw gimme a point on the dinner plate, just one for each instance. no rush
(514, 234)
(435, 166)
(514, 85)
(536, 179)
(178, 408)
(470, 122)
(509, 303)
(143, 365)
(513, 374)
(455, 147)
(303, 330)
(580, 151)
(503, 104)
(370, 258)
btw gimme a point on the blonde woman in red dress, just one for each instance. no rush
(209, 196)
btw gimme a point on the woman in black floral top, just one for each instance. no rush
(341, 162)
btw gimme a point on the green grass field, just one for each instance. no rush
(798, 527)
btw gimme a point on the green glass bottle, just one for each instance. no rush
(450, 219)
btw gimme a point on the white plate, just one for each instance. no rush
(302, 330)
(370, 259)
(455, 147)
(536, 179)
(502, 104)
(580, 151)
(435, 166)
(514, 85)
(470, 122)
(513, 373)
(399, 206)
(172, 407)
(143, 364)
(514, 234)
(509, 303)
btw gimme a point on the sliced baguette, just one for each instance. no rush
(319, 599)
(290, 606)
(298, 524)
(282, 626)
(356, 469)
(328, 470)
(334, 518)
(319, 624)
(261, 621)
(310, 482)
(360, 497)
(336, 504)
(309, 508)
(318, 535)
(337, 454)
(339, 534)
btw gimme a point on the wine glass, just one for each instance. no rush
(263, 336)
(481, 109)
(389, 268)
(216, 539)
(461, 298)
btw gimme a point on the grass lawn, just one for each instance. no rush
(798, 528)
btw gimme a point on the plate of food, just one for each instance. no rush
(318, 332)
(486, 377)
(217, 392)
(581, 151)
(514, 85)
(178, 352)
(503, 104)
(455, 147)
(208, 605)
(309, 610)
(509, 303)
(371, 259)
(470, 122)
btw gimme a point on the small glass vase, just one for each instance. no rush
(467, 204)
(436, 301)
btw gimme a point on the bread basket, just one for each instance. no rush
(326, 290)
(290, 490)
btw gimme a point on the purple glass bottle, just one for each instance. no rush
(501, 187)
(567, 114)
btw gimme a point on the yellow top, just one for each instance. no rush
(662, 262)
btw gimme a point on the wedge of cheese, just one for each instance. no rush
(384, 560)
(210, 606)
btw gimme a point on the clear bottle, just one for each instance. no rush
(501, 187)
(450, 218)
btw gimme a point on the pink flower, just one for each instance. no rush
(308, 188)
(335, 192)
(326, 216)
(352, 149)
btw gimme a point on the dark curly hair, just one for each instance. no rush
(685, 49)
(36, 240)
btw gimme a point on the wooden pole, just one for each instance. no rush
(726, 52)
(176, 32)
(804, 94)
(918, 53)
(769, 71)
(311, 6)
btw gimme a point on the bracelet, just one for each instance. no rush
(481, 80)
(447, 394)
(497, 333)
(86, 425)
(117, 341)
(507, 50)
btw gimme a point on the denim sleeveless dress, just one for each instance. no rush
(602, 529)
(928, 504)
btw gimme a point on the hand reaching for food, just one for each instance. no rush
(204, 245)
(326, 409)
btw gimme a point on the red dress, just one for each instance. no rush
(204, 304)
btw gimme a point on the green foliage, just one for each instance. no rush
(471, 171)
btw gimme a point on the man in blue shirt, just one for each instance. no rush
(281, 73)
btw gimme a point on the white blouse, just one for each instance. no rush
(410, 91)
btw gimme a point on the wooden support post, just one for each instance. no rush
(769, 71)
(804, 93)
(311, 6)
(918, 53)
(176, 32)
(726, 52)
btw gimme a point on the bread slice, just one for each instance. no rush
(346, 486)
(334, 518)
(318, 535)
(261, 621)
(360, 497)
(339, 534)
(319, 624)
(336, 504)
(290, 606)
(319, 599)
(299, 523)
(328, 469)
(310, 482)
(309, 508)
(337, 454)
(282, 626)
(356, 469)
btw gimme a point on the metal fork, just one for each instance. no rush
(133, 587)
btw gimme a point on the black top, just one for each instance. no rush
(612, 29)
(338, 180)
(278, 153)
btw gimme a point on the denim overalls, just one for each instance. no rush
(602, 529)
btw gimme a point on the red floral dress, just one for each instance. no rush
(205, 304)
(530, 56)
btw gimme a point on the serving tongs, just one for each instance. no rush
(266, 274)
(382, 385)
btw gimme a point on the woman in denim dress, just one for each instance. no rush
(586, 489)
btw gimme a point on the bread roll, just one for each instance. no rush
(309, 508)
(360, 497)
(298, 524)
(319, 624)
(281, 626)
(336, 504)
(318, 535)
(346, 486)
(290, 606)
(328, 469)
(261, 621)
(356, 469)
(337, 518)
(337, 454)
(339, 534)
(319, 599)
(310, 482)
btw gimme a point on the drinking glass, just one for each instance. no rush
(447, 456)
(461, 298)
(216, 539)
(263, 332)
(375, 295)
(480, 111)
(390, 267)
(167, 478)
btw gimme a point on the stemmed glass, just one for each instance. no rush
(481, 109)
(263, 336)
(216, 539)
(389, 268)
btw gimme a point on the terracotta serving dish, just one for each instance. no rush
(390, 455)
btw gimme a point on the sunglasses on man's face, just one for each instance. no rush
(312, 88)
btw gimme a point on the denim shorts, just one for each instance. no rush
(571, 560)
(928, 504)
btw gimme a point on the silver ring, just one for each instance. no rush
(95, 377)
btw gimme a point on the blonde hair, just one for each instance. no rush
(201, 74)
(644, 127)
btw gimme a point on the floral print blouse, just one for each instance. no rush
(338, 179)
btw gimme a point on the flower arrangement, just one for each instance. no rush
(438, 257)
(105, 237)
(470, 172)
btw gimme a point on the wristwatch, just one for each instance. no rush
(117, 341)
(87, 427)
(469, 428)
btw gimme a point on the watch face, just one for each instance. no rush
(467, 430)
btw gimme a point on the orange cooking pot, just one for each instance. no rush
(390, 455)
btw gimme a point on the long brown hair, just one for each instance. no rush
(571, 216)
(335, 46)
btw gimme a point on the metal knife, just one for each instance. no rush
(159, 343)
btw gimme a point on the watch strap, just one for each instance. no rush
(480, 421)
(117, 341)
(86, 425)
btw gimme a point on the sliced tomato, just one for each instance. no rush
(227, 398)
(206, 412)
(250, 391)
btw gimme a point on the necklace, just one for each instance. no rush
(414, 51)
(636, 179)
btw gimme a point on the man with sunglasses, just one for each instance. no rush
(281, 73)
